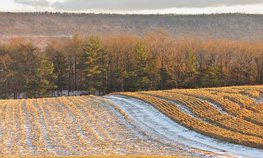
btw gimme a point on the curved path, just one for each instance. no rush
(149, 119)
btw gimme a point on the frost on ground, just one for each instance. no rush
(147, 118)
(111, 125)
(74, 126)
(258, 100)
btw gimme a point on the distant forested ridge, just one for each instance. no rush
(227, 26)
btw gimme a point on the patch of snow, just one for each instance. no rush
(184, 109)
(125, 122)
(69, 93)
(217, 107)
(153, 121)
(258, 100)
(54, 94)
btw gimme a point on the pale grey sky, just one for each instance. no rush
(136, 6)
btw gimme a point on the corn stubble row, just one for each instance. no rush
(236, 119)
(212, 115)
(68, 126)
(229, 106)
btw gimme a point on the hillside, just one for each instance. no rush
(42, 25)
(212, 122)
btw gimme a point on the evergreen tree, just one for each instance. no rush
(46, 77)
(211, 77)
(165, 79)
(26, 70)
(191, 72)
(92, 61)
(61, 69)
(140, 74)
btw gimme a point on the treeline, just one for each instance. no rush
(100, 65)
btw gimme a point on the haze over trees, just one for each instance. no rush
(227, 26)
(100, 64)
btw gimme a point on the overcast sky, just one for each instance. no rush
(136, 6)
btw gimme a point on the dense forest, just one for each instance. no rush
(104, 64)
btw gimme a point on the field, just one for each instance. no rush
(209, 122)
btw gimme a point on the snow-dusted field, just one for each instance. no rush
(161, 128)
(76, 126)
(110, 125)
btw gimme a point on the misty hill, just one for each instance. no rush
(230, 26)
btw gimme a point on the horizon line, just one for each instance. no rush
(109, 13)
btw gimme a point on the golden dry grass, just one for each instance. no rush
(234, 121)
